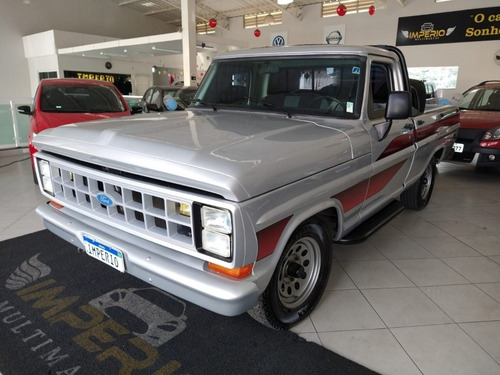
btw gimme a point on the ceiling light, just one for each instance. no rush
(284, 2)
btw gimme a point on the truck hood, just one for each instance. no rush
(237, 155)
(46, 120)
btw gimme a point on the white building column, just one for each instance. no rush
(188, 9)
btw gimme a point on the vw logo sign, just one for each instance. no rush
(105, 199)
(278, 41)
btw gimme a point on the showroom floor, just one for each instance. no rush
(421, 296)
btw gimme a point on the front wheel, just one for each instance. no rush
(418, 195)
(299, 279)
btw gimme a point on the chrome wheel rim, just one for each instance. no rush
(426, 182)
(299, 272)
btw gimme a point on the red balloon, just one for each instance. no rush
(256, 33)
(341, 10)
(212, 22)
(371, 10)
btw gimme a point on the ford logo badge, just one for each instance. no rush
(105, 199)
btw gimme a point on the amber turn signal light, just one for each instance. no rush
(56, 205)
(238, 273)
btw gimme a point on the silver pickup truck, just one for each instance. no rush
(235, 203)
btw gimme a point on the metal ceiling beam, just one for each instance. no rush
(123, 3)
(288, 9)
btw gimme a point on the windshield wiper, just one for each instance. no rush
(213, 105)
(268, 105)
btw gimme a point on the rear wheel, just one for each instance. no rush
(299, 279)
(35, 180)
(418, 195)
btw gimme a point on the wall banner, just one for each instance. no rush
(471, 25)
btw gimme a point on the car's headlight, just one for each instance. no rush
(492, 134)
(45, 176)
(217, 230)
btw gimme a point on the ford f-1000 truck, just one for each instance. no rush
(236, 203)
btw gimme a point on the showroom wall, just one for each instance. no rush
(94, 17)
(475, 59)
(98, 17)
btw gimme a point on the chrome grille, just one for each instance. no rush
(128, 204)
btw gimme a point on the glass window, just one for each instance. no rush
(156, 98)
(380, 86)
(204, 28)
(147, 95)
(80, 98)
(443, 77)
(329, 8)
(43, 75)
(310, 85)
(263, 19)
(481, 99)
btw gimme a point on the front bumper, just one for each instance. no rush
(487, 157)
(179, 274)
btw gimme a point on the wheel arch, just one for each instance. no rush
(329, 214)
(299, 269)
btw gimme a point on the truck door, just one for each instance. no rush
(392, 156)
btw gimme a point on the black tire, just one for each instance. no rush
(35, 180)
(418, 195)
(299, 279)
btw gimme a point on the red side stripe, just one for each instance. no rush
(353, 196)
(358, 193)
(399, 143)
(427, 131)
(268, 238)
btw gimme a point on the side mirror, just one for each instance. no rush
(398, 106)
(136, 109)
(25, 110)
(153, 107)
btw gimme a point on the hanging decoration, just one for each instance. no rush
(212, 22)
(341, 10)
(371, 10)
(256, 33)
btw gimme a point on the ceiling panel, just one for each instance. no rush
(169, 11)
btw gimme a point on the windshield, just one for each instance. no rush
(306, 85)
(481, 99)
(80, 98)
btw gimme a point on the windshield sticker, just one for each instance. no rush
(356, 70)
(349, 107)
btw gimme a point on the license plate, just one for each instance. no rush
(458, 147)
(104, 253)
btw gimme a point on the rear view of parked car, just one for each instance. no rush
(478, 138)
(61, 101)
(167, 98)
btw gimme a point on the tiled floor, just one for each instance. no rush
(421, 296)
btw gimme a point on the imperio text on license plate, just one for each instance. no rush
(104, 253)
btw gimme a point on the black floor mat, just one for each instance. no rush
(64, 313)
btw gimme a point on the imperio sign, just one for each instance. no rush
(471, 25)
(121, 81)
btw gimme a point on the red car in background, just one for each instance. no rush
(479, 134)
(60, 101)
